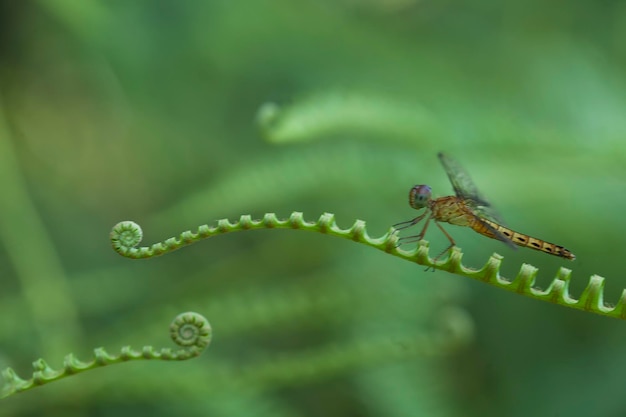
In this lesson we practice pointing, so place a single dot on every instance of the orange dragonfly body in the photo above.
(468, 208)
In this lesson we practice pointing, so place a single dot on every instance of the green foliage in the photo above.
(177, 113)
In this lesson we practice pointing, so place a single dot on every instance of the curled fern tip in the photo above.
(125, 236)
(191, 329)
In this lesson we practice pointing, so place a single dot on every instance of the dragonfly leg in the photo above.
(423, 232)
(408, 223)
(420, 236)
(452, 242)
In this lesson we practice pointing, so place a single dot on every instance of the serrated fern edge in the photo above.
(190, 330)
(126, 235)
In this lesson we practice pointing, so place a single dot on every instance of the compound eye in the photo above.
(419, 196)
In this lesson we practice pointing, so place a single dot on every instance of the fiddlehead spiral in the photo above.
(126, 235)
(191, 331)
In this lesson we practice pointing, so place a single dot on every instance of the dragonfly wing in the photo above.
(488, 213)
(465, 188)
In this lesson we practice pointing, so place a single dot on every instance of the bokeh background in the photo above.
(175, 114)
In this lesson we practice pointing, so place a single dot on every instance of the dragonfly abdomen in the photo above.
(521, 239)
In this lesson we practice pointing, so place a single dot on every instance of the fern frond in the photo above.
(126, 235)
(323, 114)
(189, 330)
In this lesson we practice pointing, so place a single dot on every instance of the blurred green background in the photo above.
(175, 114)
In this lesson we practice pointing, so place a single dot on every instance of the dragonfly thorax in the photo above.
(420, 196)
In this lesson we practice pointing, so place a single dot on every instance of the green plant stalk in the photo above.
(35, 260)
(126, 235)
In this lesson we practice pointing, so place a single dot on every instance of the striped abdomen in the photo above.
(521, 239)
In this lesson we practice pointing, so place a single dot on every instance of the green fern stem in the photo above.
(189, 330)
(126, 235)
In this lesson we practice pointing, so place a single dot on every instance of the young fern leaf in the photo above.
(126, 235)
(189, 330)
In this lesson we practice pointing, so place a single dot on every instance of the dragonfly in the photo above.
(467, 208)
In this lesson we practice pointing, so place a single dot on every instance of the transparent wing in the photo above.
(465, 188)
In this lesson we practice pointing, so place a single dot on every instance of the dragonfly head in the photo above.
(419, 196)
